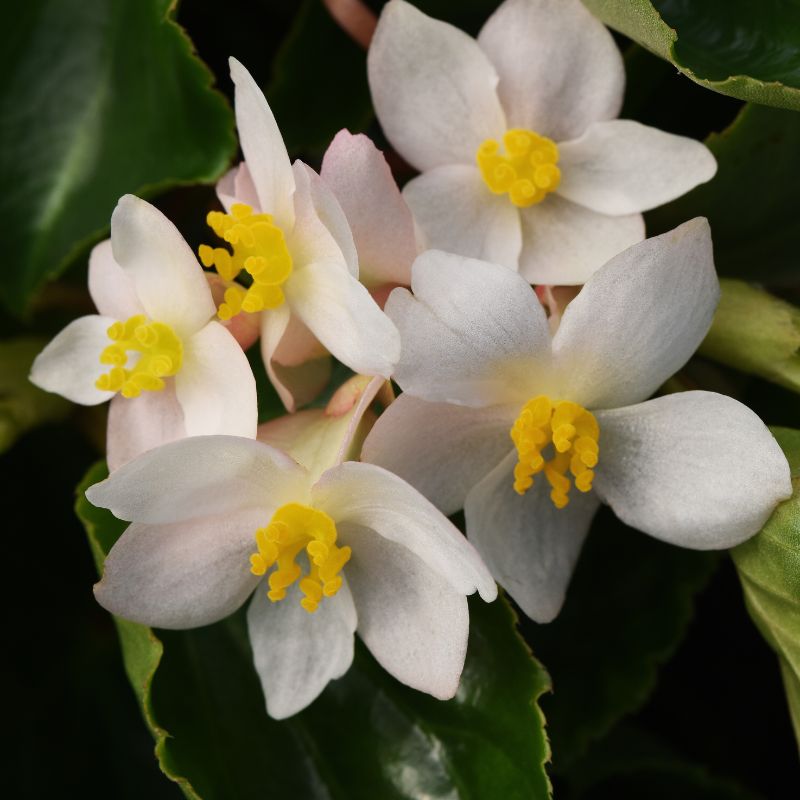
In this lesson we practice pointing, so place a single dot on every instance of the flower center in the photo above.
(257, 246)
(527, 172)
(295, 527)
(573, 432)
(160, 355)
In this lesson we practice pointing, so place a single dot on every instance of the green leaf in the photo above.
(757, 333)
(769, 569)
(736, 47)
(100, 99)
(23, 406)
(752, 201)
(627, 610)
(366, 737)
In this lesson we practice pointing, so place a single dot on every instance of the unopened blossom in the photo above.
(523, 162)
(530, 431)
(381, 222)
(155, 348)
(354, 549)
(285, 228)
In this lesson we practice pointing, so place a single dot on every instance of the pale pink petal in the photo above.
(112, 290)
(236, 186)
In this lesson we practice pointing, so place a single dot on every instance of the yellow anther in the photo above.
(527, 172)
(573, 433)
(258, 247)
(293, 529)
(158, 354)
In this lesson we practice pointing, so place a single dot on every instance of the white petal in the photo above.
(111, 288)
(70, 364)
(442, 450)
(411, 619)
(236, 186)
(624, 167)
(264, 151)
(181, 575)
(142, 423)
(529, 545)
(564, 243)
(201, 476)
(456, 212)
(169, 281)
(321, 231)
(696, 469)
(473, 333)
(297, 653)
(381, 222)
(559, 67)
(215, 385)
(639, 319)
(343, 316)
(367, 495)
(433, 89)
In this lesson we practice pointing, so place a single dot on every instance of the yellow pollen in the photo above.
(573, 433)
(527, 171)
(160, 356)
(258, 247)
(293, 528)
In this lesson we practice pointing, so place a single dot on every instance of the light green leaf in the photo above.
(100, 98)
(769, 569)
(366, 737)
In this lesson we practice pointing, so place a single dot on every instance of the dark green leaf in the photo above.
(735, 47)
(99, 99)
(366, 737)
(769, 568)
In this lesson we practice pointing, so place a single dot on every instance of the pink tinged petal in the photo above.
(245, 328)
(411, 619)
(455, 212)
(215, 386)
(382, 226)
(201, 476)
(264, 151)
(696, 469)
(184, 574)
(142, 423)
(559, 67)
(112, 290)
(657, 300)
(70, 364)
(624, 167)
(236, 186)
(530, 546)
(296, 653)
(369, 496)
(564, 243)
(341, 314)
(169, 281)
(321, 231)
(433, 89)
(298, 344)
(442, 450)
(473, 333)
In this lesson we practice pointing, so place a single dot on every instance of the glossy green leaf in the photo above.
(366, 737)
(99, 99)
(736, 47)
(769, 569)
(752, 202)
(627, 609)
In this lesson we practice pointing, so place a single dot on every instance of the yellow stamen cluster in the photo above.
(527, 171)
(573, 432)
(257, 246)
(293, 528)
(160, 355)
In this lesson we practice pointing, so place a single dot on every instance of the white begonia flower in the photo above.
(218, 518)
(155, 348)
(523, 162)
(286, 229)
(501, 417)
